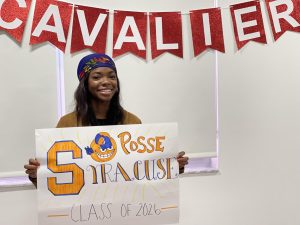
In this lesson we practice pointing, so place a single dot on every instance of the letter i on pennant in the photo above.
(247, 23)
(207, 30)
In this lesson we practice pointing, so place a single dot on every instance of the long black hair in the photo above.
(84, 111)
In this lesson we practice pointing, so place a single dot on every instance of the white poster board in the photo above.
(110, 175)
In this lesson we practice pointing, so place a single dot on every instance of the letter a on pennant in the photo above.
(284, 16)
(51, 23)
(166, 33)
(13, 16)
(247, 23)
(130, 33)
(89, 29)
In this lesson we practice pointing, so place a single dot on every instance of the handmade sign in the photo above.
(108, 175)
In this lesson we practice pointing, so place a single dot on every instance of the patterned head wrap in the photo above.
(93, 61)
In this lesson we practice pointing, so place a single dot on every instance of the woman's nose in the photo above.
(104, 80)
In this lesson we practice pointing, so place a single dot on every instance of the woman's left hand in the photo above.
(182, 160)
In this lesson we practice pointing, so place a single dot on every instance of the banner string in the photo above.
(113, 11)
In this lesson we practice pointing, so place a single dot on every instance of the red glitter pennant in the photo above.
(248, 23)
(14, 21)
(51, 23)
(207, 30)
(89, 29)
(166, 33)
(130, 33)
(284, 16)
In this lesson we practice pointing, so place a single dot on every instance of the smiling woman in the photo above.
(97, 100)
(98, 94)
(103, 84)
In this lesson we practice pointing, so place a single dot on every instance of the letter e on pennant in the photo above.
(247, 23)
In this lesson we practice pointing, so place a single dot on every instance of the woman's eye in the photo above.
(97, 77)
(112, 76)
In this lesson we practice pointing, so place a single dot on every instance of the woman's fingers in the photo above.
(31, 173)
(180, 154)
(31, 168)
(34, 162)
(183, 160)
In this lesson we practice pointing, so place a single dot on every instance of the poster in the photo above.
(125, 174)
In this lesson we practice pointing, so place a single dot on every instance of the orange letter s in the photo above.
(75, 187)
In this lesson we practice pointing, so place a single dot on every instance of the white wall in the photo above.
(259, 178)
(27, 77)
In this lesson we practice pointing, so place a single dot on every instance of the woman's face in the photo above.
(102, 83)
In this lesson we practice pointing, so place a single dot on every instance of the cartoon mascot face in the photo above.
(103, 148)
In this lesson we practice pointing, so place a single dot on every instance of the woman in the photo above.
(97, 102)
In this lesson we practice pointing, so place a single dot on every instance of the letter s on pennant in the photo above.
(75, 187)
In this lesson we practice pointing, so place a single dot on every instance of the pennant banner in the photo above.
(51, 23)
(13, 17)
(130, 33)
(207, 30)
(247, 23)
(284, 16)
(108, 175)
(89, 29)
(166, 33)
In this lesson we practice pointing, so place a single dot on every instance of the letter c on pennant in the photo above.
(17, 22)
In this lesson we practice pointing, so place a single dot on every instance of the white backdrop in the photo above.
(28, 100)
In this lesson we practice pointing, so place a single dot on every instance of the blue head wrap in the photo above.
(93, 61)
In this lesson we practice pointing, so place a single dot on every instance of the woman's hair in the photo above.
(84, 110)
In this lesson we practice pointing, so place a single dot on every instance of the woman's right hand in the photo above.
(31, 170)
